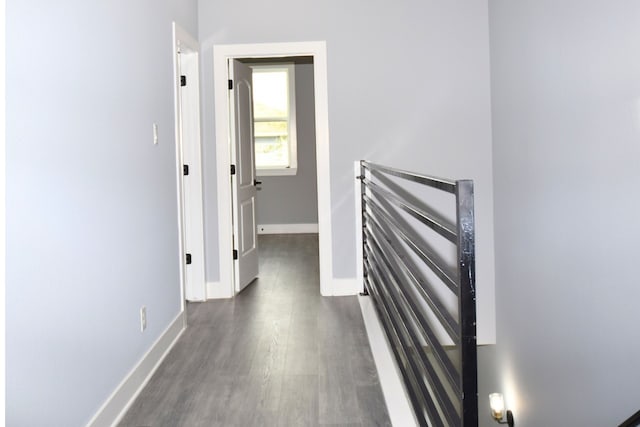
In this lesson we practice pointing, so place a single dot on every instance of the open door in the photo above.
(189, 167)
(243, 182)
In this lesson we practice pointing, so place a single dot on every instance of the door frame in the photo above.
(186, 51)
(221, 55)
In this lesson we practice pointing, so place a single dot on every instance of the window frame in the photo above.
(292, 142)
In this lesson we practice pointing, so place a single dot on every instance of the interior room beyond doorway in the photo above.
(288, 202)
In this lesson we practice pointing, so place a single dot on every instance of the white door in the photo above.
(243, 182)
(189, 164)
(192, 177)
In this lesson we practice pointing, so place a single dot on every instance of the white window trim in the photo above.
(293, 134)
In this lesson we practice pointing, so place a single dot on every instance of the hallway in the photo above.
(277, 354)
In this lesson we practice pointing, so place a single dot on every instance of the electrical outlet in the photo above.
(143, 318)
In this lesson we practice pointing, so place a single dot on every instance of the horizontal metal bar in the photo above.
(418, 386)
(421, 402)
(440, 358)
(632, 421)
(416, 243)
(445, 229)
(431, 181)
(394, 294)
(418, 401)
(423, 286)
(382, 256)
(395, 187)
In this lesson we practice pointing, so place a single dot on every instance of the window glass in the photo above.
(274, 127)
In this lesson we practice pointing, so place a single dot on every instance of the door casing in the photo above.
(221, 55)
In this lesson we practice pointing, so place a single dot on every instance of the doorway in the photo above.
(285, 160)
(223, 54)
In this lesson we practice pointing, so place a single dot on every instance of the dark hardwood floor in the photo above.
(278, 354)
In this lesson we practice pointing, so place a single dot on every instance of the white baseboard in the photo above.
(343, 287)
(123, 396)
(215, 290)
(395, 395)
(287, 228)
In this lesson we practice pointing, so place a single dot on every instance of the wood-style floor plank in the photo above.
(277, 354)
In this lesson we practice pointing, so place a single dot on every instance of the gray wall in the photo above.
(408, 86)
(91, 202)
(566, 122)
(294, 199)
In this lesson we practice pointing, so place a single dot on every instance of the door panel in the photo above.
(191, 185)
(244, 190)
(247, 214)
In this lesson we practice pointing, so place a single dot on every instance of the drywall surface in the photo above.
(488, 382)
(92, 226)
(294, 199)
(408, 86)
(566, 124)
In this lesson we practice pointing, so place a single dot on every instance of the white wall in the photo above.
(566, 123)
(91, 202)
(408, 86)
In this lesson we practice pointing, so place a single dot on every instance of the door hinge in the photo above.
(233, 169)
(235, 254)
(230, 84)
(185, 169)
(183, 80)
(188, 256)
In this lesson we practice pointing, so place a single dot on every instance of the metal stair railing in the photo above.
(412, 283)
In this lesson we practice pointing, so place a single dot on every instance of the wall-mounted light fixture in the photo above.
(496, 401)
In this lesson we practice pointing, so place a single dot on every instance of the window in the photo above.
(274, 116)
